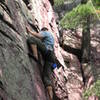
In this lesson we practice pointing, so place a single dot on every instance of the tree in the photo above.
(81, 16)
(97, 2)
(58, 3)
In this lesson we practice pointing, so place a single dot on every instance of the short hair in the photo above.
(44, 29)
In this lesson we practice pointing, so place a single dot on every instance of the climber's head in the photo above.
(44, 29)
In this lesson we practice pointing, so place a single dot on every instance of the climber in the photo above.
(44, 42)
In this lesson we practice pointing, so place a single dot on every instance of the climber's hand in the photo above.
(27, 29)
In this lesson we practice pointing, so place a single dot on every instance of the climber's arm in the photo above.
(38, 35)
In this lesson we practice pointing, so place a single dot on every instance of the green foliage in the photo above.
(95, 90)
(58, 3)
(77, 16)
(96, 3)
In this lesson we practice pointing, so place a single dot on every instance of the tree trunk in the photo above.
(86, 41)
(85, 50)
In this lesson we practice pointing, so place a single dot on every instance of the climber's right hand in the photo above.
(27, 29)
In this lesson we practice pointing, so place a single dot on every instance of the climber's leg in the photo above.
(35, 43)
(34, 50)
(50, 92)
(48, 68)
(47, 74)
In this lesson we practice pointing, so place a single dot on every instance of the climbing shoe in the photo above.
(50, 92)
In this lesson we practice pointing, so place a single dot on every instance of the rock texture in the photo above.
(20, 77)
(67, 81)
(91, 70)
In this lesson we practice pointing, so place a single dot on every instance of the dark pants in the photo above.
(48, 58)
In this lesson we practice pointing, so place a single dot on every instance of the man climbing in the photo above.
(44, 42)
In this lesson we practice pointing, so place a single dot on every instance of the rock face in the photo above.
(20, 77)
(91, 69)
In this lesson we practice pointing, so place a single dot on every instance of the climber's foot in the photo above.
(31, 55)
(50, 92)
